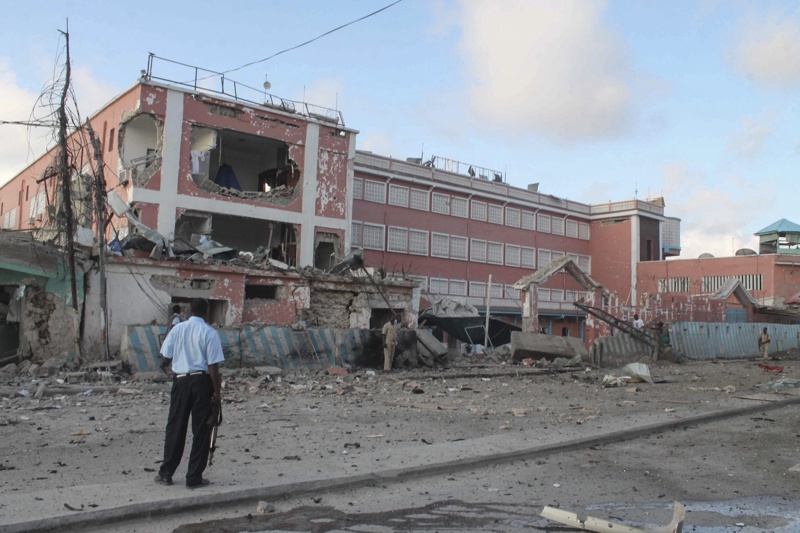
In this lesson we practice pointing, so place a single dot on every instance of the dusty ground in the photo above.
(300, 423)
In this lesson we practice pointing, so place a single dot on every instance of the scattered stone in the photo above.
(33, 369)
(337, 371)
(265, 507)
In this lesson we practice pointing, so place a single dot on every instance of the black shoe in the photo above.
(203, 483)
(163, 479)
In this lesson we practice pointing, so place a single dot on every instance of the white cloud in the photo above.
(768, 51)
(22, 145)
(714, 219)
(325, 92)
(749, 140)
(551, 68)
(379, 142)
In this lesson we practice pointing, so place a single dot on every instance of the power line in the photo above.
(314, 39)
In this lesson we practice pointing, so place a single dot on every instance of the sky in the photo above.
(695, 101)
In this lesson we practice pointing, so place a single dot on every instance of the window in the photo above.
(111, 139)
(572, 229)
(398, 240)
(496, 291)
(544, 295)
(440, 204)
(419, 199)
(358, 189)
(527, 257)
(544, 258)
(355, 239)
(477, 289)
(557, 226)
(673, 284)
(478, 210)
(458, 287)
(583, 231)
(10, 219)
(477, 251)
(494, 253)
(512, 217)
(398, 195)
(440, 245)
(543, 223)
(585, 262)
(751, 282)
(528, 220)
(458, 248)
(512, 255)
(495, 214)
(37, 206)
(418, 242)
(373, 236)
(512, 293)
(438, 286)
(458, 207)
(556, 295)
(421, 280)
(262, 292)
(375, 191)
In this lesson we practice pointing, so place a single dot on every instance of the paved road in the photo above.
(732, 475)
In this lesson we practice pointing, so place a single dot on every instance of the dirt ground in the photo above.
(296, 422)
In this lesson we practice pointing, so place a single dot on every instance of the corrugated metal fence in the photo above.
(706, 340)
(266, 346)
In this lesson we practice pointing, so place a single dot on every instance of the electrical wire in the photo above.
(384, 8)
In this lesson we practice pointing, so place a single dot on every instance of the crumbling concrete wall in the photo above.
(47, 326)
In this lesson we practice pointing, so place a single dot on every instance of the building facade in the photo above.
(451, 231)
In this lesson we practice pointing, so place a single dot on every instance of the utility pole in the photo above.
(488, 306)
(66, 190)
(100, 218)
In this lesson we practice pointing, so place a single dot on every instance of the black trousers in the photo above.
(190, 396)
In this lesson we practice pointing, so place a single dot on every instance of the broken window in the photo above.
(241, 165)
(139, 149)
(326, 250)
(260, 292)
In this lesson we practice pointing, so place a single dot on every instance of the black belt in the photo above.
(199, 372)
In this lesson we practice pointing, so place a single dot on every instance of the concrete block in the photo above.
(536, 346)
(427, 343)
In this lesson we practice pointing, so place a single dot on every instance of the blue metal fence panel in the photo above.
(249, 346)
(704, 340)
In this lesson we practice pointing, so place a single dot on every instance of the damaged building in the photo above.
(229, 194)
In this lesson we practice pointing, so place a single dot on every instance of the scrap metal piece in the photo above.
(607, 526)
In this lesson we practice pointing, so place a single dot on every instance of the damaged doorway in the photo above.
(9, 323)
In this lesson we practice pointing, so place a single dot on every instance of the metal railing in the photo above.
(203, 80)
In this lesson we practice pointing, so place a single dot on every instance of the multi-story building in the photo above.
(244, 168)
(451, 230)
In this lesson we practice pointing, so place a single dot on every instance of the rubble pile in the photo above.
(281, 195)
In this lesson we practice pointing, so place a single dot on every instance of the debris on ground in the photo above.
(638, 372)
(780, 384)
(607, 526)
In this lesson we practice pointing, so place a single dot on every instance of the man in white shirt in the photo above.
(638, 323)
(195, 351)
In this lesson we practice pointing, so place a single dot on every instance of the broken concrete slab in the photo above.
(430, 346)
(535, 346)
